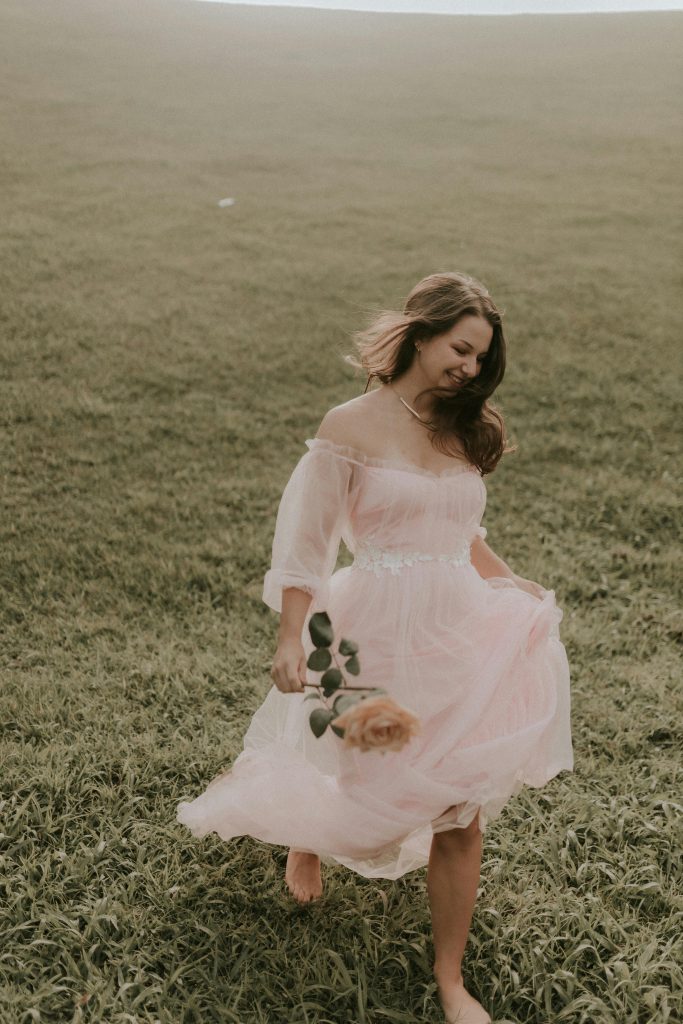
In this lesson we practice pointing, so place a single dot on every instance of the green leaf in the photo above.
(319, 659)
(319, 720)
(320, 628)
(312, 696)
(331, 681)
(343, 702)
(337, 730)
(347, 647)
(352, 665)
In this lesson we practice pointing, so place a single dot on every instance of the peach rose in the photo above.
(377, 723)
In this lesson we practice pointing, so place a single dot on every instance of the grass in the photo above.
(163, 360)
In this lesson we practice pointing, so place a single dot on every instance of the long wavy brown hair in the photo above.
(461, 420)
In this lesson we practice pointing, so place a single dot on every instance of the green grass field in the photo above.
(163, 360)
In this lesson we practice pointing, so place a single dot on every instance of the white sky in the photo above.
(476, 6)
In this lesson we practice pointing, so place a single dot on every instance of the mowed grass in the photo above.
(163, 360)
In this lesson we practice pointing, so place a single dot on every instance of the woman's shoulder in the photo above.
(353, 423)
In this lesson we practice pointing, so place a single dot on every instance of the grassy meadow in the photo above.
(163, 360)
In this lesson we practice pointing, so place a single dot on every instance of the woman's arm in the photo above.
(295, 605)
(288, 670)
(487, 563)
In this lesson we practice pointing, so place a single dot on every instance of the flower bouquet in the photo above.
(363, 716)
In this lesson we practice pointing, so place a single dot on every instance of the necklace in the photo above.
(409, 407)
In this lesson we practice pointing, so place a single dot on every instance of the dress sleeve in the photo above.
(310, 519)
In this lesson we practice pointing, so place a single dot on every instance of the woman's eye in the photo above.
(462, 352)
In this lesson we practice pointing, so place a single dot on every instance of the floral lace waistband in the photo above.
(369, 556)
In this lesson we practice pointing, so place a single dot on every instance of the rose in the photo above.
(377, 723)
(371, 722)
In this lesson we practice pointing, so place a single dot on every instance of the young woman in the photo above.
(442, 624)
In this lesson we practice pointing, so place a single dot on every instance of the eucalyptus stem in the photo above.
(316, 686)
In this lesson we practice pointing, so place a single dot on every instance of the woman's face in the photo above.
(456, 356)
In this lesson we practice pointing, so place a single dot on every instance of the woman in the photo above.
(442, 624)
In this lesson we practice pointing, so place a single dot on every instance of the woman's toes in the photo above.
(302, 876)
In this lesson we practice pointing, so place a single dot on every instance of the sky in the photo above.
(475, 6)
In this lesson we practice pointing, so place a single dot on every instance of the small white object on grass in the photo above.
(227, 202)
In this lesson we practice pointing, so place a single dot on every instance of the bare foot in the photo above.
(302, 876)
(458, 1005)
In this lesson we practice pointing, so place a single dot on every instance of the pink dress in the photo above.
(480, 662)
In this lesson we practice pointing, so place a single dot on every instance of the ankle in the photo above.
(448, 973)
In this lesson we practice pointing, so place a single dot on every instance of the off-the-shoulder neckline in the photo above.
(363, 459)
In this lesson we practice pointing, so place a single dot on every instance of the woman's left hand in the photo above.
(535, 589)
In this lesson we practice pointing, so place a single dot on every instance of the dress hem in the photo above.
(418, 840)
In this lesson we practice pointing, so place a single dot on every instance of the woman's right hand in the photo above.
(288, 671)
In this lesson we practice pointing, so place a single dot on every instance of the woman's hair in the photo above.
(386, 348)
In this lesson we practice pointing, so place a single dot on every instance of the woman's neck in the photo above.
(408, 388)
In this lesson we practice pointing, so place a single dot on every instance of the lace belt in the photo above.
(368, 556)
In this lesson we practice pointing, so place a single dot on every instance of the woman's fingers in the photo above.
(530, 586)
(286, 679)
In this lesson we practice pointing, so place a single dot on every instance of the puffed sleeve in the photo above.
(310, 519)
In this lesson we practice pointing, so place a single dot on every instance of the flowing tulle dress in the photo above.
(479, 661)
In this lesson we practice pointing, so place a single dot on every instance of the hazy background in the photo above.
(477, 7)
(163, 359)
